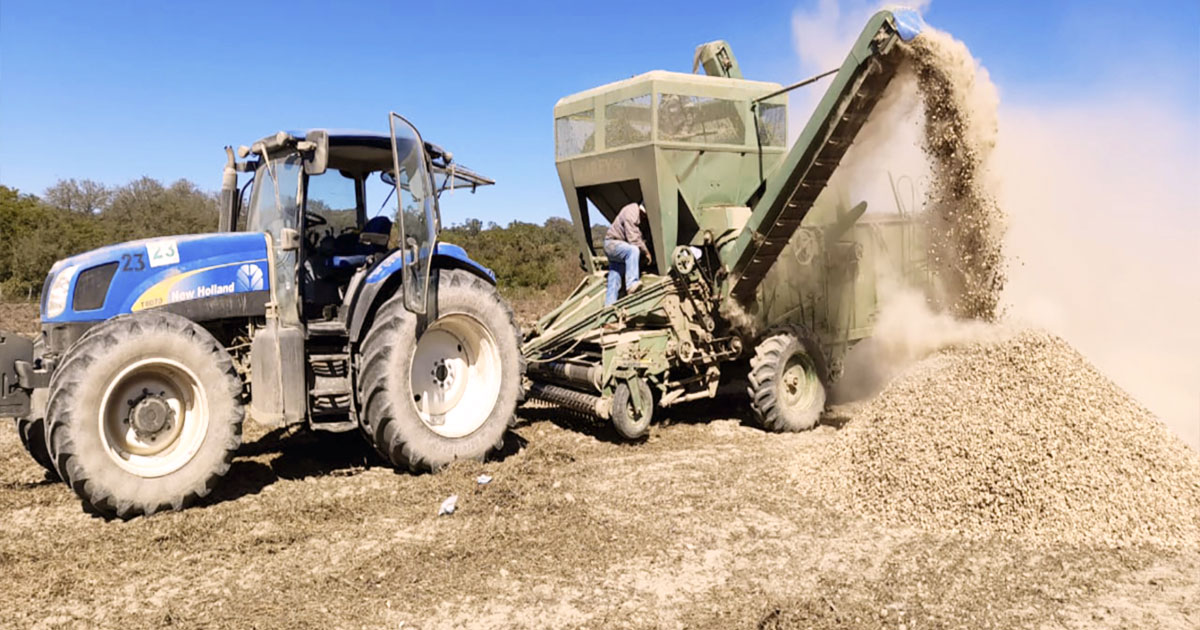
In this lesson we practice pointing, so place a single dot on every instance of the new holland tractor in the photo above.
(757, 279)
(325, 300)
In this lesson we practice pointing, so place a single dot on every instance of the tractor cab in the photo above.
(349, 218)
(329, 201)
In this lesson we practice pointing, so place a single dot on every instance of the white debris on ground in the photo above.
(449, 505)
(1019, 437)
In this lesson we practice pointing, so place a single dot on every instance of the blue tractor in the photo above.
(325, 299)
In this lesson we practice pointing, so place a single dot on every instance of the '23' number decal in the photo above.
(133, 262)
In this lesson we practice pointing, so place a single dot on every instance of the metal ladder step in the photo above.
(329, 391)
(332, 328)
(331, 421)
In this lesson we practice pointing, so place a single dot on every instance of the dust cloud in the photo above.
(1105, 226)
(737, 316)
(939, 113)
(907, 330)
(1102, 234)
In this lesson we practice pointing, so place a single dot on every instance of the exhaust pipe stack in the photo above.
(229, 192)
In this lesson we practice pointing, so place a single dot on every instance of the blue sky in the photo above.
(114, 91)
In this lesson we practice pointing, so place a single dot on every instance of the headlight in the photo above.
(56, 303)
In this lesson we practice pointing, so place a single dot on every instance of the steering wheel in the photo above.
(315, 220)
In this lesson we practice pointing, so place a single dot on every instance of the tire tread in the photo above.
(764, 371)
(64, 385)
(379, 408)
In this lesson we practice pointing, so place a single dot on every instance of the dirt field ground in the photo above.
(700, 527)
(19, 317)
(711, 523)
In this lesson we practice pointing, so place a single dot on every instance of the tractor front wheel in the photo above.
(33, 430)
(450, 391)
(144, 415)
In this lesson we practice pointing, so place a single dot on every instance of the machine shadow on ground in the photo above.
(570, 421)
(290, 455)
(696, 413)
(46, 480)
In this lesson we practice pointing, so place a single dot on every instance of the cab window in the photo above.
(331, 204)
(274, 199)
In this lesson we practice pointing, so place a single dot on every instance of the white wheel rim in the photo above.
(147, 448)
(455, 375)
(798, 383)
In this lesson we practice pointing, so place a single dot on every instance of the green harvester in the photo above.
(758, 282)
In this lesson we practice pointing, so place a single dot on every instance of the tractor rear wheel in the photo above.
(450, 391)
(787, 381)
(145, 415)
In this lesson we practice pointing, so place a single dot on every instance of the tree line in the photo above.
(75, 216)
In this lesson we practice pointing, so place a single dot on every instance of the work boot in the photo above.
(633, 288)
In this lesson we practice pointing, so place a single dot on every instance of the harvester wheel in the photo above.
(144, 415)
(33, 430)
(787, 381)
(450, 391)
(631, 420)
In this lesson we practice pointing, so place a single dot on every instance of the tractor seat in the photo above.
(348, 262)
(352, 250)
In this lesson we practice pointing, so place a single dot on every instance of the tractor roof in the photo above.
(357, 150)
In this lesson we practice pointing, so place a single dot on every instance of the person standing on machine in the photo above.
(625, 247)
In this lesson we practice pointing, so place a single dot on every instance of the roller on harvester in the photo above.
(754, 282)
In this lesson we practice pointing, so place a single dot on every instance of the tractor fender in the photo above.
(384, 279)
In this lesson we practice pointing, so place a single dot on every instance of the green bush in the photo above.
(77, 216)
(523, 255)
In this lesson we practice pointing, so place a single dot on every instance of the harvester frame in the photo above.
(725, 201)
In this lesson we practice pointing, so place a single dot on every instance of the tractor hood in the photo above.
(201, 276)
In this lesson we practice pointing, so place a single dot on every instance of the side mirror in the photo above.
(316, 163)
(289, 240)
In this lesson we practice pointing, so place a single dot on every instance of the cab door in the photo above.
(274, 210)
(416, 210)
(277, 360)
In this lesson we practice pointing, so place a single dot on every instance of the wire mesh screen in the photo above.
(700, 119)
(627, 121)
(772, 124)
(574, 134)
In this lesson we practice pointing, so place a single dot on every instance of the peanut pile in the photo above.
(1023, 438)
